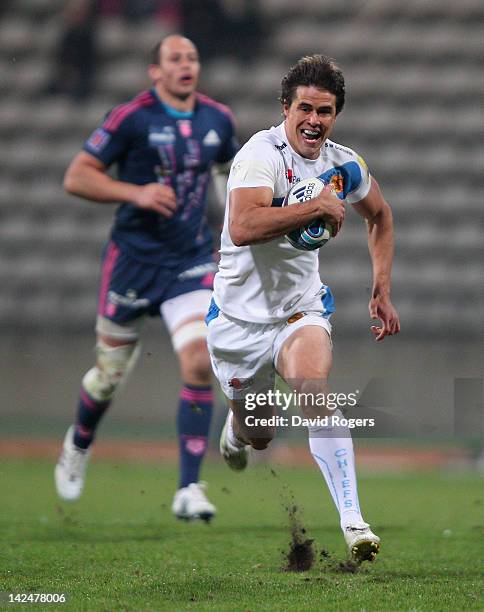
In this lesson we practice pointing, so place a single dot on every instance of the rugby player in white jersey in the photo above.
(270, 311)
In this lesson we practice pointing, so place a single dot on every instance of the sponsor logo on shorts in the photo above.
(198, 271)
(295, 317)
(240, 383)
(110, 309)
(130, 300)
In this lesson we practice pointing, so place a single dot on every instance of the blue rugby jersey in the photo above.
(152, 143)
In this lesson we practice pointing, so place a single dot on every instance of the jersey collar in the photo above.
(170, 111)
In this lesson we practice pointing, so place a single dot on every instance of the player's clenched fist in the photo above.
(332, 208)
(160, 198)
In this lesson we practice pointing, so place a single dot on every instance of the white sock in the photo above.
(332, 449)
(231, 437)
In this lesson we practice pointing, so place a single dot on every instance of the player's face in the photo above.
(179, 67)
(309, 120)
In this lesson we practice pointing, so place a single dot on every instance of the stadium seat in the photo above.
(413, 74)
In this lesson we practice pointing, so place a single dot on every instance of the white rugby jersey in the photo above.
(269, 282)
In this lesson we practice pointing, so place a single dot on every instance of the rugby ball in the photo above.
(316, 234)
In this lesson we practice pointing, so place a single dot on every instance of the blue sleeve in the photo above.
(230, 144)
(112, 139)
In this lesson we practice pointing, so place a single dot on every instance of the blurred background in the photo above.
(414, 111)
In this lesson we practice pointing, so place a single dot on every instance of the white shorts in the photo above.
(185, 306)
(244, 354)
(174, 312)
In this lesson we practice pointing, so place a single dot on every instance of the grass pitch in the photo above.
(119, 548)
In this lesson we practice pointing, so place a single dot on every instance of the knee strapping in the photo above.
(114, 363)
(193, 330)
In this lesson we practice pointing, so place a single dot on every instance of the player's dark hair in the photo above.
(317, 71)
(154, 56)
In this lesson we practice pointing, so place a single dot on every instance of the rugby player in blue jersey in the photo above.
(166, 143)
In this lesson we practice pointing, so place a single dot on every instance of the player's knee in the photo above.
(199, 366)
(113, 365)
(98, 385)
(195, 362)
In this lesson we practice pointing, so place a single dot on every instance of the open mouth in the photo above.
(310, 135)
(186, 79)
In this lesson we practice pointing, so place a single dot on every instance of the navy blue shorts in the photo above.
(131, 289)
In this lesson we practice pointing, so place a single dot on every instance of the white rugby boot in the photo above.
(235, 456)
(70, 469)
(191, 503)
(362, 543)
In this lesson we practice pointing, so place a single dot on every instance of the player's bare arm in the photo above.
(86, 177)
(379, 220)
(253, 219)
